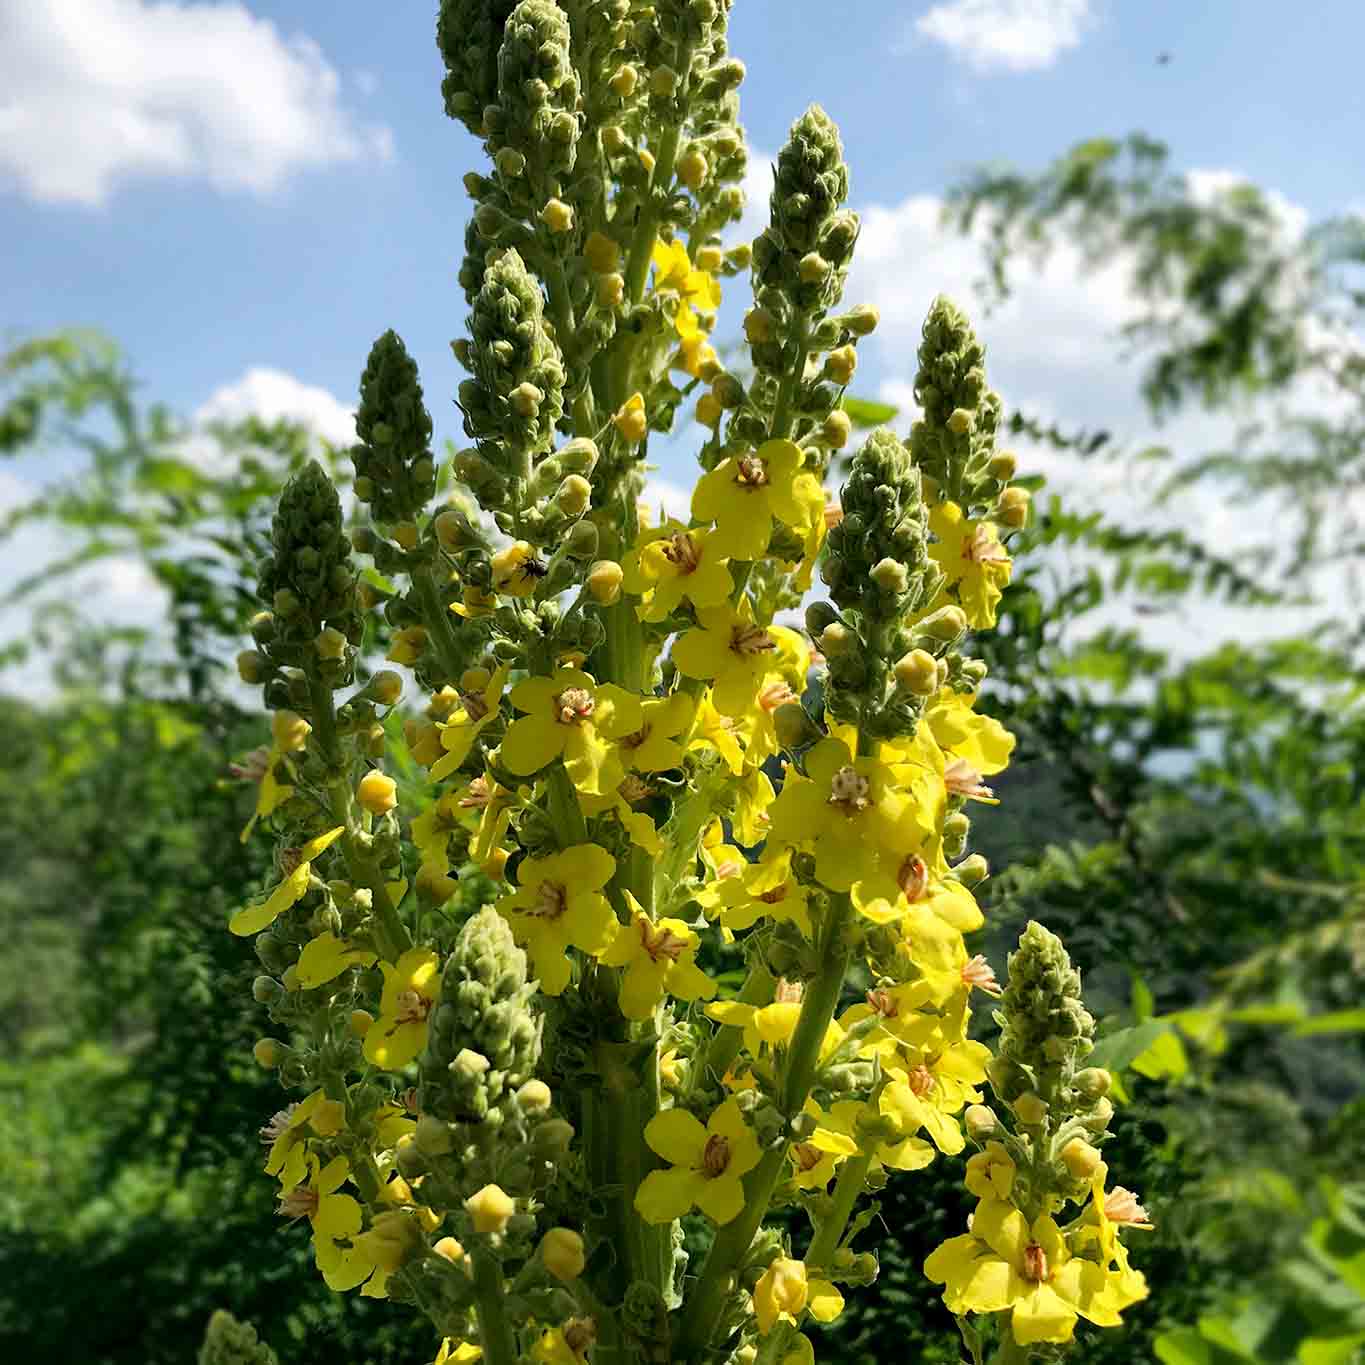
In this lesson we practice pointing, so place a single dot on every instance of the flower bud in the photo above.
(1080, 1158)
(614, 139)
(561, 1250)
(534, 1096)
(759, 326)
(1002, 465)
(611, 291)
(917, 673)
(434, 1136)
(862, 321)
(330, 644)
(405, 533)
(290, 731)
(793, 727)
(574, 496)
(946, 624)
(262, 627)
(663, 80)
(490, 1209)
(1099, 1120)
(252, 666)
(601, 253)
(554, 1136)
(624, 80)
(980, 1122)
(813, 268)
(890, 575)
(510, 162)
(557, 216)
(269, 1052)
(359, 1022)
(377, 792)
(604, 581)
(837, 639)
(1093, 1083)
(960, 421)
(526, 399)
(451, 1250)
(972, 871)
(630, 420)
(582, 540)
(1012, 507)
(708, 258)
(709, 410)
(1030, 1109)
(836, 429)
(840, 364)
(728, 391)
(693, 168)
(469, 1065)
(580, 456)
(265, 990)
(385, 687)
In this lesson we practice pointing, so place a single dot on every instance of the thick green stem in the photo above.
(783, 417)
(852, 1178)
(647, 227)
(440, 628)
(705, 1304)
(495, 1331)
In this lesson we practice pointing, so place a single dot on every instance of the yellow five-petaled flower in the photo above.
(707, 1169)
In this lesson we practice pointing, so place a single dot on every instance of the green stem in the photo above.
(852, 1178)
(495, 1331)
(440, 629)
(391, 934)
(724, 1045)
(1009, 1351)
(704, 1307)
(647, 227)
(783, 417)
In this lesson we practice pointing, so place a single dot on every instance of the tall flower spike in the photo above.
(469, 33)
(394, 427)
(955, 438)
(308, 579)
(516, 395)
(229, 1342)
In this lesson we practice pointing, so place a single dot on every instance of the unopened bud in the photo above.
(840, 364)
(946, 624)
(510, 162)
(574, 495)
(630, 420)
(891, 576)
(359, 1022)
(972, 871)
(582, 539)
(1012, 507)
(269, 1052)
(693, 168)
(265, 990)
(836, 429)
(469, 1064)
(980, 1122)
(252, 666)
(1092, 1083)
(862, 321)
(1080, 1158)
(385, 687)
(534, 1096)
(601, 253)
(960, 421)
(624, 80)
(1002, 465)
(813, 268)
(490, 1209)
(709, 410)
(377, 792)
(663, 80)
(330, 644)
(837, 639)
(917, 673)
(604, 581)
(793, 727)
(526, 399)
(579, 456)
(728, 391)
(405, 533)
(289, 730)
(1099, 1120)
(708, 258)
(759, 326)
(434, 1136)
(557, 216)
(561, 1250)
(611, 291)
(1030, 1109)
(451, 1250)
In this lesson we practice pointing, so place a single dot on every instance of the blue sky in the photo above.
(245, 195)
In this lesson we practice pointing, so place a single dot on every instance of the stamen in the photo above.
(574, 705)
(715, 1155)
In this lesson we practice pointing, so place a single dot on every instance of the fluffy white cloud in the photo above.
(1011, 35)
(273, 395)
(94, 93)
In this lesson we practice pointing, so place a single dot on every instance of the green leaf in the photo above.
(1119, 1050)
(1166, 1057)
(1331, 1350)
(1184, 1346)
(1144, 1005)
(865, 412)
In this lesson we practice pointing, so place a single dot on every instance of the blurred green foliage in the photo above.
(1193, 827)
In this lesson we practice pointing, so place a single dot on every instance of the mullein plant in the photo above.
(507, 1106)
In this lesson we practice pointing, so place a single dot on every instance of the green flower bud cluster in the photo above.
(1059, 1107)
(395, 473)
(229, 1342)
(515, 396)
(469, 34)
(880, 575)
(954, 441)
(485, 1119)
(309, 582)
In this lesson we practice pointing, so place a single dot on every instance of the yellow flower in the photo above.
(659, 957)
(670, 564)
(940, 958)
(770, 1026)
(288, 1133)
(406, 645)
(251, 919)
(335, 1219)
(631, 420)
(377, 792)
(567, 1345)
(290, 733)
(848, 809)
(516, 570)
(973, 562)
(753, 795)
(1104, 1215)
(636, 823)
(730, 650)
(695, 354)
(654, 747)
(558, 905)
(744, 493)
(707, 1165)
(933, 1084)
(572, 716)
(1004, 1263)
(783, 1292)
(816, 1158)
(478, 709)
(990, 1173)
(454, 1352)
(978, 741)
(673, 270)
(325, 957)
(719, 732)
(756, 890)
(847, 1117)
(490, 1209)
(412, 986)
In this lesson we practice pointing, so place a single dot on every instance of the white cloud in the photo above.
(1011, 35)
(273, 395)
(94, 93)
